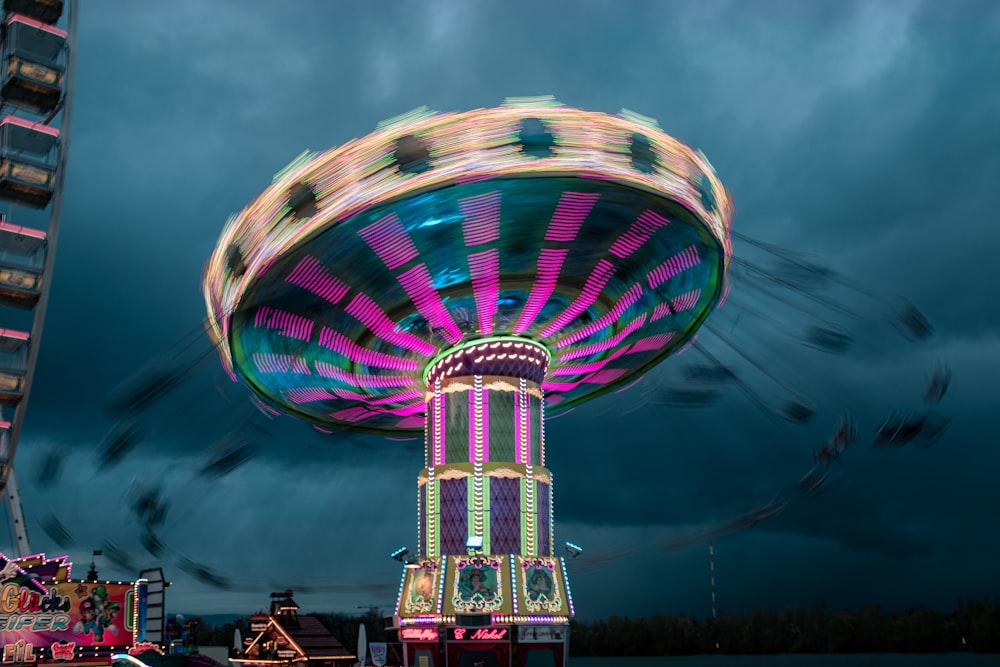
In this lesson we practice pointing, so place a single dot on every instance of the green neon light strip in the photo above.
(481, 341)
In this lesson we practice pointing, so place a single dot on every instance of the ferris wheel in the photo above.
(36, 100)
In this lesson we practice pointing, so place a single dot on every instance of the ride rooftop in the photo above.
(529, 243)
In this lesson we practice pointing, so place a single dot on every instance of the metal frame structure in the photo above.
(62, 111)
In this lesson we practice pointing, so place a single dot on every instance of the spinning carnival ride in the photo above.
(467, 275)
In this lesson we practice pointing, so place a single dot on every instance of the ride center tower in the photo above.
(464, 275)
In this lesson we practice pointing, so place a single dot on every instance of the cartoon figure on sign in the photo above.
(89, 622)
(540, 585)
(111, 611)
(420, 598)
(476, 584)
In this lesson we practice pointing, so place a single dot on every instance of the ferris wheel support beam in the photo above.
(7, 479)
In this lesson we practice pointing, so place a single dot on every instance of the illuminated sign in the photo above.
(419, 634)
(477, 634)
(66, 621)
(541, 633)
(286, 653)
(258, 627)
(142, 647)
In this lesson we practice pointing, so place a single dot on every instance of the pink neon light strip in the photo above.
(299, 395)
(416, 421)
(288, 324)
(637, 234)
(587, 350)
(440, 448)
(686, 301)
(572, 209)
(656, 342)
(607, 319)
(343, 345)
(390, 241)
(420, 286)
(582, 369)
(18, 230)
(380, 381)
(481, 215)
(527, 421)
(27, 124)
(355, 414)
(472, 425)
(591, 290)
(486, 424)
(550, 262)
(484, 270)
(682, 261)
(605, 376)
(366, 311)
(660, 310)
(279, 363)
(310, 275)
(518, 454)
(38, 25)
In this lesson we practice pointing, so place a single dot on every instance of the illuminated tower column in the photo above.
(485, 472)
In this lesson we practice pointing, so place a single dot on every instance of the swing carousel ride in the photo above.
(464, 277)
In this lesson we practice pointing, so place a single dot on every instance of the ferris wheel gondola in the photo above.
(36, 102)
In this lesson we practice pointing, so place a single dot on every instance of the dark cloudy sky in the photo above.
(863, 134)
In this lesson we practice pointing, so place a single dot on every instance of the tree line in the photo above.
(973, 626)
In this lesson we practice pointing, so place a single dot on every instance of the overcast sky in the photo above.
(862, 134)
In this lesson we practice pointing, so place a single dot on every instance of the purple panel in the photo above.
(454, 515)
(544, 517)
(505, 515)
(571, 211)
(550, 262)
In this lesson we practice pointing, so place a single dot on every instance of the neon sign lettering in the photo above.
(420, 634)
(18, 652)
(479, 634)
(64, 650)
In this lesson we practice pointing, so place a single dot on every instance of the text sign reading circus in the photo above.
(72, 621)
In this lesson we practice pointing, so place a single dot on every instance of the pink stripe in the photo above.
(637, 234)
(472, 424)
(310, 275)
(591, 290)
(299, 395)
(660, 310)
(685, 301)
(279, 363)
(527, 410)
(415, 421)
(550, 262)
(608, 319)
(486, 423)
(366, 311)
(481, 215)
(606, 376)
(390, 241)
(484, 269)
(682, 261)
(441, 413)
(356, 354)
(517, 427)
(361, 381)
(583, 369)
(603, 345)
(420, 286)
(651, 343)
(572, 209)
(288, 324)
(354, 414)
